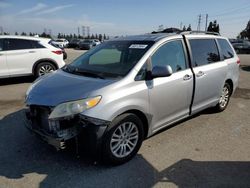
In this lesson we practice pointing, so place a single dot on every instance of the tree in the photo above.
(104, 37)
(23, 34)
(189, 28)
(213, 27)
(246, 32)
(16, 33)
(100, 37)
(184, 28)
(92, 36)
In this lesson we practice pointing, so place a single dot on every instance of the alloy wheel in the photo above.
(124, 139)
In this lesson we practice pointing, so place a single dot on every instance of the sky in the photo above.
(120, 17)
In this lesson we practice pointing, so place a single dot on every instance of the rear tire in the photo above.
(123, 139)
(44, 68)
(224, 98)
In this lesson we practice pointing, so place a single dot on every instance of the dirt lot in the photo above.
(209, 150)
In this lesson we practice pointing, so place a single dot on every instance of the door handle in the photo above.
(32, 51)
(187, 77)
(1, 54)
(200, 73)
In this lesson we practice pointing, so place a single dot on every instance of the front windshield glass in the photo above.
(110, 59)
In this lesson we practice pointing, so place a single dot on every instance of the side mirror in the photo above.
(161, 71)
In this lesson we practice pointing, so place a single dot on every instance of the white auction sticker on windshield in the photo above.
(138, 46)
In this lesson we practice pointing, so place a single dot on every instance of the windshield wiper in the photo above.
(87, 73)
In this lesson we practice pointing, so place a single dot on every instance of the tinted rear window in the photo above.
(204, 51)
(19, 44)
(226, 50)
(36, 44)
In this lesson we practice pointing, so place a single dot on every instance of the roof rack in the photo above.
(199, 32)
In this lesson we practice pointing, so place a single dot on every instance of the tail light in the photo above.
(58, 52)
(238, 61)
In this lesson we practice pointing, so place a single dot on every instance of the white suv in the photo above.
(63, 43)
(21, 56)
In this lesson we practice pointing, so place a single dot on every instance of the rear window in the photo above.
(36, 44)
(19, 44)
(22, 44)
(226, 49)
(204, 51)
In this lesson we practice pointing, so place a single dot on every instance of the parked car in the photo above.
(62, 43)
(87, 44)
(74, 43)
(96, 42)
(242, 48)
(127, 89)
(20, 55)
(62, 48)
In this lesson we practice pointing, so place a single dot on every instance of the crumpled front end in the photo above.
(58, 132)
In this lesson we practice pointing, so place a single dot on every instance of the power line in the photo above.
(232, 11)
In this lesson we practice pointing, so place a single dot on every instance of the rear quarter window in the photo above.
(36, 44)
(19, 44)
(226, 50)
(204, 51)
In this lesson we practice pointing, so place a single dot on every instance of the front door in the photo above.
(170, 97)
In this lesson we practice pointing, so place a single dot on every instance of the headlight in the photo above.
(74, 107)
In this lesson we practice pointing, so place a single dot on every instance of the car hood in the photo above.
(59, 87)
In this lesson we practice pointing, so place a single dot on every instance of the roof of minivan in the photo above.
(159, 36)
(23, 37)
(145, 37)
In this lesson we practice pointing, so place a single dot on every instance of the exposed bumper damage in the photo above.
(58, 132)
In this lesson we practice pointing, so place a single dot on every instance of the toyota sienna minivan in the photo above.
(125, 90)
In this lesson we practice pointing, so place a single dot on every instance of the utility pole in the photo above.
(78, 30)
(181, 26)
(50, 32)
(1, 30)
(83, 31)
(88, 30)
(199, 23)
(206, 22)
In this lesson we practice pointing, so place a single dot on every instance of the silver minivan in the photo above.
(125, 90)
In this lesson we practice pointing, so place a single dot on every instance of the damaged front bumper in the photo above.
(58, 132)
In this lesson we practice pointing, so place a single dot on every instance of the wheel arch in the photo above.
(142, 117)
(230, 82)
(43, 61)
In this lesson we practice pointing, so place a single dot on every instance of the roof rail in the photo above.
(199, 32)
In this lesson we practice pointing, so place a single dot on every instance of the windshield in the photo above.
(110, 59)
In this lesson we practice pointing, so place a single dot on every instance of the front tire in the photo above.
(224, 98)
(123, 139)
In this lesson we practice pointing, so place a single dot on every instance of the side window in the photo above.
(19, 44)
(226, 49)
(105, 56)
(204, 51)
(142, 73)
(172, 54)
(36, 44)
(1, 44)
